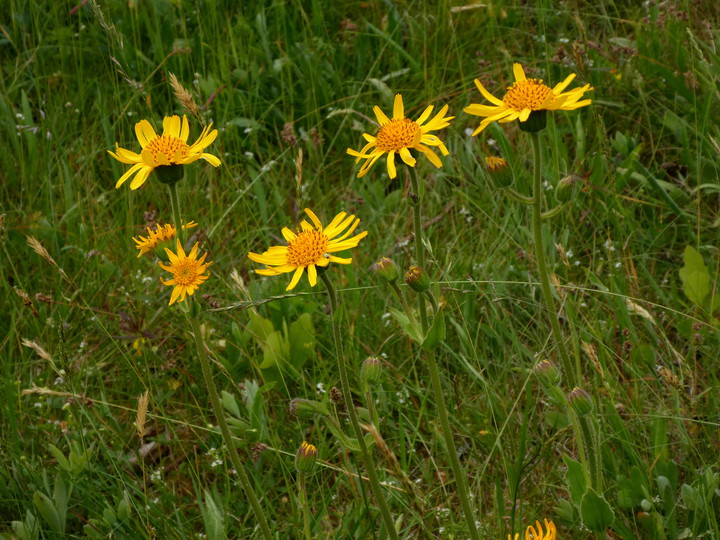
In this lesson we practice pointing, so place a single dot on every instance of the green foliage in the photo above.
(278, 77)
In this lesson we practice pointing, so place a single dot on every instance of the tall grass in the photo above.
(280, 77)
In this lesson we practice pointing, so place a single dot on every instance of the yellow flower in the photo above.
(536, 532)
(161, 234)
(524, 97)
(188, 271)
(309, 248)
(170, 148)
(400, 135)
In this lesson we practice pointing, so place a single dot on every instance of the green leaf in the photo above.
(60, 457)
(411, 328)
(595, 511)
(48, 512)
(695, 277)
(576, 481)
(436, 334)
(301, 340)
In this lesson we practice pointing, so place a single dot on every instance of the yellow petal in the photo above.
(398, 108)
(296, 277)
(312, 275)
(487, 95)
(144, 132)
(519, 72)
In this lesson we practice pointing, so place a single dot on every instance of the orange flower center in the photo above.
(172, 148)
(528, 94)
(185, 271)
(308, 248)
(397, 134)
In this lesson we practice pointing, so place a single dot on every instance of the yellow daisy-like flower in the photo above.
(170, 148)
(188, 271)
(310, 247)
(160, 234)
(400, 135)
(537, 533)
(524, 97)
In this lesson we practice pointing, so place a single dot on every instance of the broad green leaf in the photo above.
(576, 481)
(48, 512)
(436, 334)
(695, 277)
(596, 513)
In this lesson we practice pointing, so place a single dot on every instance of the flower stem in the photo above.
(460, 484)
(345, 383)
(175, 204)
(305, 510)
(419, 251)
(583, 433)
(227, 437)
(570, 371)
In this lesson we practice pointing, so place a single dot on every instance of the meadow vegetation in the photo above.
(106, 420)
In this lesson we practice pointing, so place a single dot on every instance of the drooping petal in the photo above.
(132, 170)
(312, 275)
(296, 277)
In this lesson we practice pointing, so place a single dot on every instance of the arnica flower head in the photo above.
(188, 271)
(400, 135)
(158, 235)
(170, 148)
(526, 96)
(309, 248)
(537, 533)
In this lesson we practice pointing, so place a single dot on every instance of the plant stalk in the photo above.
(225, 430)
(460, 484)
(347, 396)
(177, 218)
(568, 367)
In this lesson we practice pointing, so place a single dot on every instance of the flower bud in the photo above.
(499, 171)
(305, 458)
(387, 269)
(580, 401)
(565, 189)
(371, 371)
(417, 279)
(307, 408)
(547, 373)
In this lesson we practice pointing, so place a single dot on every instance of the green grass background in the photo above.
(75, 79)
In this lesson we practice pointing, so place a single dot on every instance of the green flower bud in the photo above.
(169, 174)
(305, 458)
(536, 122)
(307, 408)
(565, 189)
(417, 279)
(499, 171)
(371, 371)
(547, 373)
(580, 401)
(387, 269)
